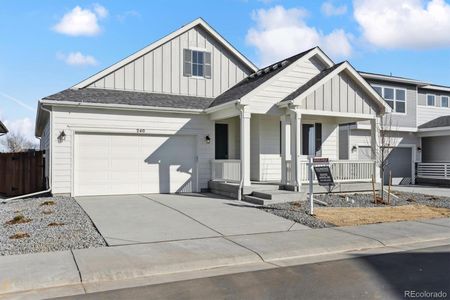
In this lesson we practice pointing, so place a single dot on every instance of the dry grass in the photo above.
(19, 219)
(49, 202)
(348, 216)
(55, 224)
(19, 235)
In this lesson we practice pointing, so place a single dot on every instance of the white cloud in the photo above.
(329, 9)
(82, 22)
(24, 126)
(77, 59)
(406, 24)
(281, 32)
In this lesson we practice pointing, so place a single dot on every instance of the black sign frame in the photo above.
(324, 176)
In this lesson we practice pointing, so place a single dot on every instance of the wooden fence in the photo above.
(22, 173)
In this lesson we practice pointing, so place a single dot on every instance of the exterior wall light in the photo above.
(208, 139)
(419, 148)
(354, 149)
(61, 136)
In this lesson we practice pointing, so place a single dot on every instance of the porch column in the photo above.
(284, 179)
(296, 121)
(245, 146)
(374, 143)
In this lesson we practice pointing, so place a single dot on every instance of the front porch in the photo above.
(266, 143)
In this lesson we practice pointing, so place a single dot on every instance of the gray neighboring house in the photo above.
(420, 127)
(3, 129)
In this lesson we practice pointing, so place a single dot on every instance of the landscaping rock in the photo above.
(54, 223)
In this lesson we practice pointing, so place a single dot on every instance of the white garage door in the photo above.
(108, 164)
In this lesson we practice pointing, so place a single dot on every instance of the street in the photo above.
(415, 274)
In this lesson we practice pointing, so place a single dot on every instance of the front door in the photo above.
(221, 141)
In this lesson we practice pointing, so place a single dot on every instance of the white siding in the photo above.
(161, 70)
(254, 148)
(330, 140)
(339, 94)
(264, 98)
(425, 114)
(94, 120)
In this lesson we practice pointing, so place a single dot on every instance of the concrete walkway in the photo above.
(90, 269)
(133, 219)
(423, 189)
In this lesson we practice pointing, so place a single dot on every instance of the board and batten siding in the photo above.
(124, 122)
(339, 94)
(264, 99)
(161, 70)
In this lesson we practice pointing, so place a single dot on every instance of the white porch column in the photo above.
(374, 143)
(296, 121)
(284, 179)
(245, 146)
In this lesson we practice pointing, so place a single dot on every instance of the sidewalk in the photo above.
(87, 270)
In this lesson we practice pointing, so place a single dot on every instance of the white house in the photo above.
(190, 110)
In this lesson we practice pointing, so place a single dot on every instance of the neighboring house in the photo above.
(189, 111)
(3, 129)
(420, 129)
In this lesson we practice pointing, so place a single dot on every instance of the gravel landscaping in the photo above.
(45, 224)
(299, 211)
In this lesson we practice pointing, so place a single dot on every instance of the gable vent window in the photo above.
(196, 63)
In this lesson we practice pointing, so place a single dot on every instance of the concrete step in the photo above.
(279, 195)
(260, 198)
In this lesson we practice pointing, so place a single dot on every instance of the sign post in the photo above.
(311, 185)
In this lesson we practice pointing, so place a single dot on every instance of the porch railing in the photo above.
(226, 169)
(439, 170)
(344, 170)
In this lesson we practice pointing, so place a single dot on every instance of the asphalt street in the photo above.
(418, 274)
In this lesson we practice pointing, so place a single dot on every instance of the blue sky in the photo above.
(49, 45)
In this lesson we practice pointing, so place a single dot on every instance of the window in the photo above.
(196, 63)
(394, 97)
(431, 100)
(444, 101)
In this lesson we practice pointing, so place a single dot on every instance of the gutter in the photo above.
(49, 165)
(122, 107)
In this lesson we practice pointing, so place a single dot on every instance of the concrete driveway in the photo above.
(134, 219)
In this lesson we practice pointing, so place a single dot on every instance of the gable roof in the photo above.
(103, 96)
(330, 72)
(136, 55)
(311, 82)
(255, 79)
(3, 128)
(443, 121)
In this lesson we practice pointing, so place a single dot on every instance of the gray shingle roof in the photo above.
(254, 80)
(443, 121)
(311, 82)
(104, 96)
(3, 128)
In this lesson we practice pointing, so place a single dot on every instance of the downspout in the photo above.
(49, 165)
(241, 181)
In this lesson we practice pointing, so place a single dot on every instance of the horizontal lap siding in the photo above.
(125, 123)
(161, 70)
(295, 75)
(426, 114)
(339, 94)
(269, 148)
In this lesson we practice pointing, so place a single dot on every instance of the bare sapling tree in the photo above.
(386, 141)
(16, 142)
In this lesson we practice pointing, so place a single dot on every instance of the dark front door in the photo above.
(221, 141)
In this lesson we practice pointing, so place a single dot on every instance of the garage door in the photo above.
(399, 162)
(108, 164)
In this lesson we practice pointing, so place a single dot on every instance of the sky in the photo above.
(50, 45)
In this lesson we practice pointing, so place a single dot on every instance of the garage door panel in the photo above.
(126, 164)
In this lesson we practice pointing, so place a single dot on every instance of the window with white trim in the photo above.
(444, 101)
(431, 100)
(196, 63)
(394, 97)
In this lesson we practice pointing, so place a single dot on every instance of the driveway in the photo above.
(150, 218)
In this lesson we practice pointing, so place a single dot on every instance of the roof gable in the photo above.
(329, 73)
(196, 23)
